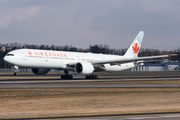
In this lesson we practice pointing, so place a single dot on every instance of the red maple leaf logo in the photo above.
(135, 48)
(30, 53)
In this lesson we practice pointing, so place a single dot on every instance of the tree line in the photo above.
(104, 49)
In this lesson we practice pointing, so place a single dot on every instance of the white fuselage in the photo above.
(49, 59)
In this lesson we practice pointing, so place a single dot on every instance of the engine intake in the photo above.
(39, 71)
(84, 68)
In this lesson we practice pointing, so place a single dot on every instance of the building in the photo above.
(158, 66)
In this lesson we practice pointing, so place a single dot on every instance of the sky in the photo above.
(81, 23)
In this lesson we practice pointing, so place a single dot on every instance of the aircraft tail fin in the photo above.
(134, 49)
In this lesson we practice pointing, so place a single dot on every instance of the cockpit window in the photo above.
(10, 54)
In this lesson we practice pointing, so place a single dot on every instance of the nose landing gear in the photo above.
(16, 70)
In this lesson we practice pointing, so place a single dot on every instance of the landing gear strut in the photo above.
(16, 70)
(67, 75)
(91, 76)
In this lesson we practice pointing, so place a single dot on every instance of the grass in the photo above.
(28, 93)
(86, 101)
(62, 102)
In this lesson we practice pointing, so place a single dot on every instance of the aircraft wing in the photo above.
(127, 60)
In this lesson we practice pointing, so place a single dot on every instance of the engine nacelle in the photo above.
(84, 68)
(39, 71)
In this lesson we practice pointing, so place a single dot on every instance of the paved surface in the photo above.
(146, 117)
(58, 83)
(12, 86)
(121, 117)
(87, 80)
(29, 79)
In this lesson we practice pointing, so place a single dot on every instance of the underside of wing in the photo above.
(99, 64)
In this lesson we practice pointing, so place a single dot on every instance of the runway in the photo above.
(12, 83)
(19, 86)
(134, 117)
(164, 116)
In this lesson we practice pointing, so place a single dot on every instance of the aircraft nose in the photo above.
(8, 58)
(5, 58)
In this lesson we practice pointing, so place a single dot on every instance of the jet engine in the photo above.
(84, 68)
(39, 71)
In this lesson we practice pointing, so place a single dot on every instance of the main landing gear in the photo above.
(67, 75)
(91, 76)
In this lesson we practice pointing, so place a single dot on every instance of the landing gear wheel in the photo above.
(91, 76)
(70, 76)
(15, 74)
(95, 76)
(66, 76)
(62, 76)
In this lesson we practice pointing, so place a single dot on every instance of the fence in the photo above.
(24, 70)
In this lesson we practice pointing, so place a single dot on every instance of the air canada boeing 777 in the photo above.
(41, 61)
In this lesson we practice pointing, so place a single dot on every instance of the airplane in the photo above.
(41, 61)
